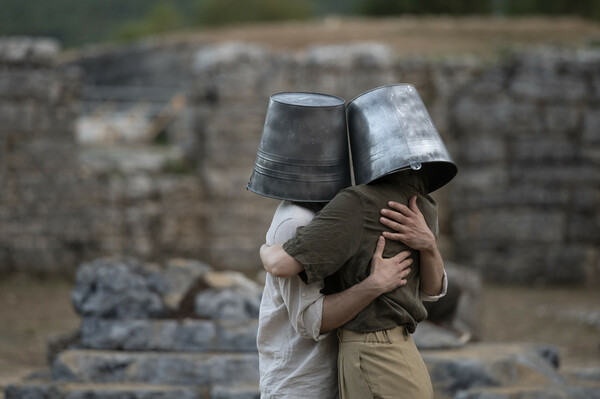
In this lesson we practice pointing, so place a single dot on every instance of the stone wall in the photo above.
(523, 208)
(61, 203)
(233, 82)
(526, 136)
(38, 173)
(524, 132)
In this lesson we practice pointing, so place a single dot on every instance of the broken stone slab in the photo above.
(552, 391)
(28, 51)
(177, 280)
(231, 296)
(490, 365)
(430, 336)
(116, 288)
(235, 392)
(200, 369)
(52, 390)
(187, 335)
(581, 374)
(127, 288)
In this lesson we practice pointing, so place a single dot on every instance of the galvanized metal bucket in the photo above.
(303, 152)
(390, 130)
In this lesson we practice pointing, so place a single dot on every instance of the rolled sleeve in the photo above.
(304, 304)
(433, 298)
(309, 323)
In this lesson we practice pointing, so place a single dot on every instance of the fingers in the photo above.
(393, 215)
(395, 236)
(391, 224)
(380, 247)
(412, 204)
(401, 256)
(403, 209)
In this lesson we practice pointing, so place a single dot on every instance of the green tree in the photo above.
(219, 12)
(162, 17)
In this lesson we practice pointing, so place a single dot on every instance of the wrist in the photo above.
(431, 246)
(372, 286)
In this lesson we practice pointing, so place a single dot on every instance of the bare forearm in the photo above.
(432, 271)
(277, 262)
(340, 308)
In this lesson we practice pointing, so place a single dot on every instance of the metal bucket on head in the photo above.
(303, 152)
(390, 130)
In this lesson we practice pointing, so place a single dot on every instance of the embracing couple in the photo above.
(349, 266)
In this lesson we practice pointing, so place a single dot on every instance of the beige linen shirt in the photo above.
(295, 361)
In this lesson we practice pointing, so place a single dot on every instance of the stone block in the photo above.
(469, 309)
(554, 391)
(508, 225)
(536, 263)
(183, 369)
(578, 271)
(591, 126)
(523, 194)
(231, 296)
(235, 392)
(177, 279)
(20, 51)
(41, 85)
(575, 174)
(116, 288)
(545, 76)
(487, 365)
(185, 335)
(584, 227)
(52, 390)
(430, 336)
(482, 149)
(539, 150)
(127, 288)
(503, 115)
(562, 120)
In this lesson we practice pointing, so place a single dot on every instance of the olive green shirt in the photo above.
(337, 245)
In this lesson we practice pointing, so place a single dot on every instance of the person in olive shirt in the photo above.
(377, 356)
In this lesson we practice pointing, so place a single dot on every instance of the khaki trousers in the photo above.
(381, 364)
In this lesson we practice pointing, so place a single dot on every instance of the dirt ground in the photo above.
(32, 309)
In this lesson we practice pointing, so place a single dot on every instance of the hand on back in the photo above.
(389, 274)
(409, 225)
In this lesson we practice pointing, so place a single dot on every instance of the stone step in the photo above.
(248, 391)
(491, 365)
(58, 390)
(186, 335)
(53, 390)
(552, 391)
(171, 368)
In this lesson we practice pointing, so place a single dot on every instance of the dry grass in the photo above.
(555, 316)
(427, 36)
(31, 310)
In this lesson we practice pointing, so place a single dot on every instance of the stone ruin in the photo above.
(180, 329)
(523, 132)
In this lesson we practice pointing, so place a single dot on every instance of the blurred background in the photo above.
(130, 128)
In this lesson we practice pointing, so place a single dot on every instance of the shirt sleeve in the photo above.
(330, 239)
(305, 306)
(434, 298)
(304, 303)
